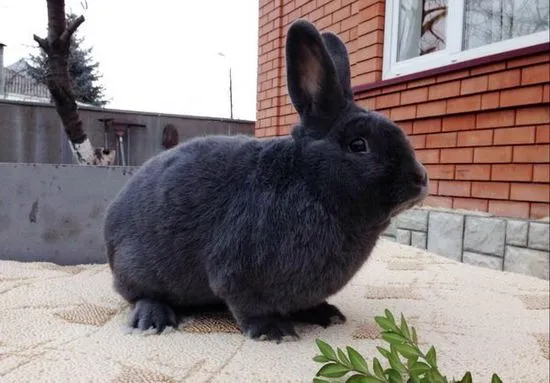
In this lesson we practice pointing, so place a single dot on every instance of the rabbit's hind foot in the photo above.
(269, 328)
(148, 313)
(323, 314)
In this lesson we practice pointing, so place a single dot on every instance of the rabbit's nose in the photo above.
(421, 176)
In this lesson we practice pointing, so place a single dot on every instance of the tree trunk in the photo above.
(56, 47)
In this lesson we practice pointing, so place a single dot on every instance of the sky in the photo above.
(159, 56)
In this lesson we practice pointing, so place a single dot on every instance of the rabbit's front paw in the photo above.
(271, 328)
(152, 314)
(323, 315)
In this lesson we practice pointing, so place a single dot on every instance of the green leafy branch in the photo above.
(407, 363)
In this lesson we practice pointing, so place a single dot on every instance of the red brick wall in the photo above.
(482, 132)
(359, 23)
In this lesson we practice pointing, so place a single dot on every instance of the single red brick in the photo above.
(428, 109)
(441, 140)
(520, 135)
(421, 82)
(428, 156)
(406, 126)
(533, 115)
(437, 201)
(546, 93)
(473, 172)
(530, 192)
(475, 138)
(394, 88)
(418, 141)
(444, 90)
(453, 75)
(464, 104)
(539, 210)
(535, 74)
(493, 154)
(495, 119)
(367, 103)
(521, 96)
(512, 172)
(461, 122)
(403, 113)
(454, 188)
(470, 204)
(429, 125)
(509, 209)
(488, 68)
(433, 187)
(414, 96)
(524, 61)
(532, 153)
(541, 173)
(542, 134)
(456, 156)
(440, 172)
(474, 85)
(491, 190)
(505, 79)
(490, 100)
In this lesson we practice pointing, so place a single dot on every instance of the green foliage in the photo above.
(407, 363)
(83, 71)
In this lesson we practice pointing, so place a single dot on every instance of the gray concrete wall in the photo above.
(33, 133)
(53, 213)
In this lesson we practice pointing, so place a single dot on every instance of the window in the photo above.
(426, 34)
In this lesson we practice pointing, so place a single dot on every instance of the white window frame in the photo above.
(453, 52)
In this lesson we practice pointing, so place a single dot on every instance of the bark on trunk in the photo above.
(56, 47)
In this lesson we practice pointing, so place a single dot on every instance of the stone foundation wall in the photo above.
(481, 239)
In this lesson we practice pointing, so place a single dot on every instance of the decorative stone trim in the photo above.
(501, 243)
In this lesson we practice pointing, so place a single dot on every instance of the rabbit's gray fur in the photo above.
(271, 228)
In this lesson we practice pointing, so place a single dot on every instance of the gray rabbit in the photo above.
(267, 228)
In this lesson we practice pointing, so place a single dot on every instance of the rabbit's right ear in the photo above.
(339, 53)
(312, 79)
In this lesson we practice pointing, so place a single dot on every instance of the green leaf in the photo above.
(326, 349)
(361, 379)
(385, 324)
(393, 338)
(396, 363)
(317, 380)
(495, 379)
(431, 357)
(357, 361)
(385, 353)
(321, 359)
(420, 368)
(389, 315)
(333, 370)
(414, 336)
(394, 376)
(467, 378)
(378, 370)
(364, 379)
(407, 351)
(344, 359)
(405, 327)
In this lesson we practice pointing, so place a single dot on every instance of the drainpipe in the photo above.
(2, 78)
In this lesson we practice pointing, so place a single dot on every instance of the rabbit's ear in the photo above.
(312, 81)
(339, 53)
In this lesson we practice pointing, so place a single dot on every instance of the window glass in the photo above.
(422, 27)
(491, 21)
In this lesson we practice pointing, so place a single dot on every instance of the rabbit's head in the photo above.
(360, 157)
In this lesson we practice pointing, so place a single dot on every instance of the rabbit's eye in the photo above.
(358, 145)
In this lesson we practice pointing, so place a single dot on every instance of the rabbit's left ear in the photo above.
(312, 79)
(339, 53)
